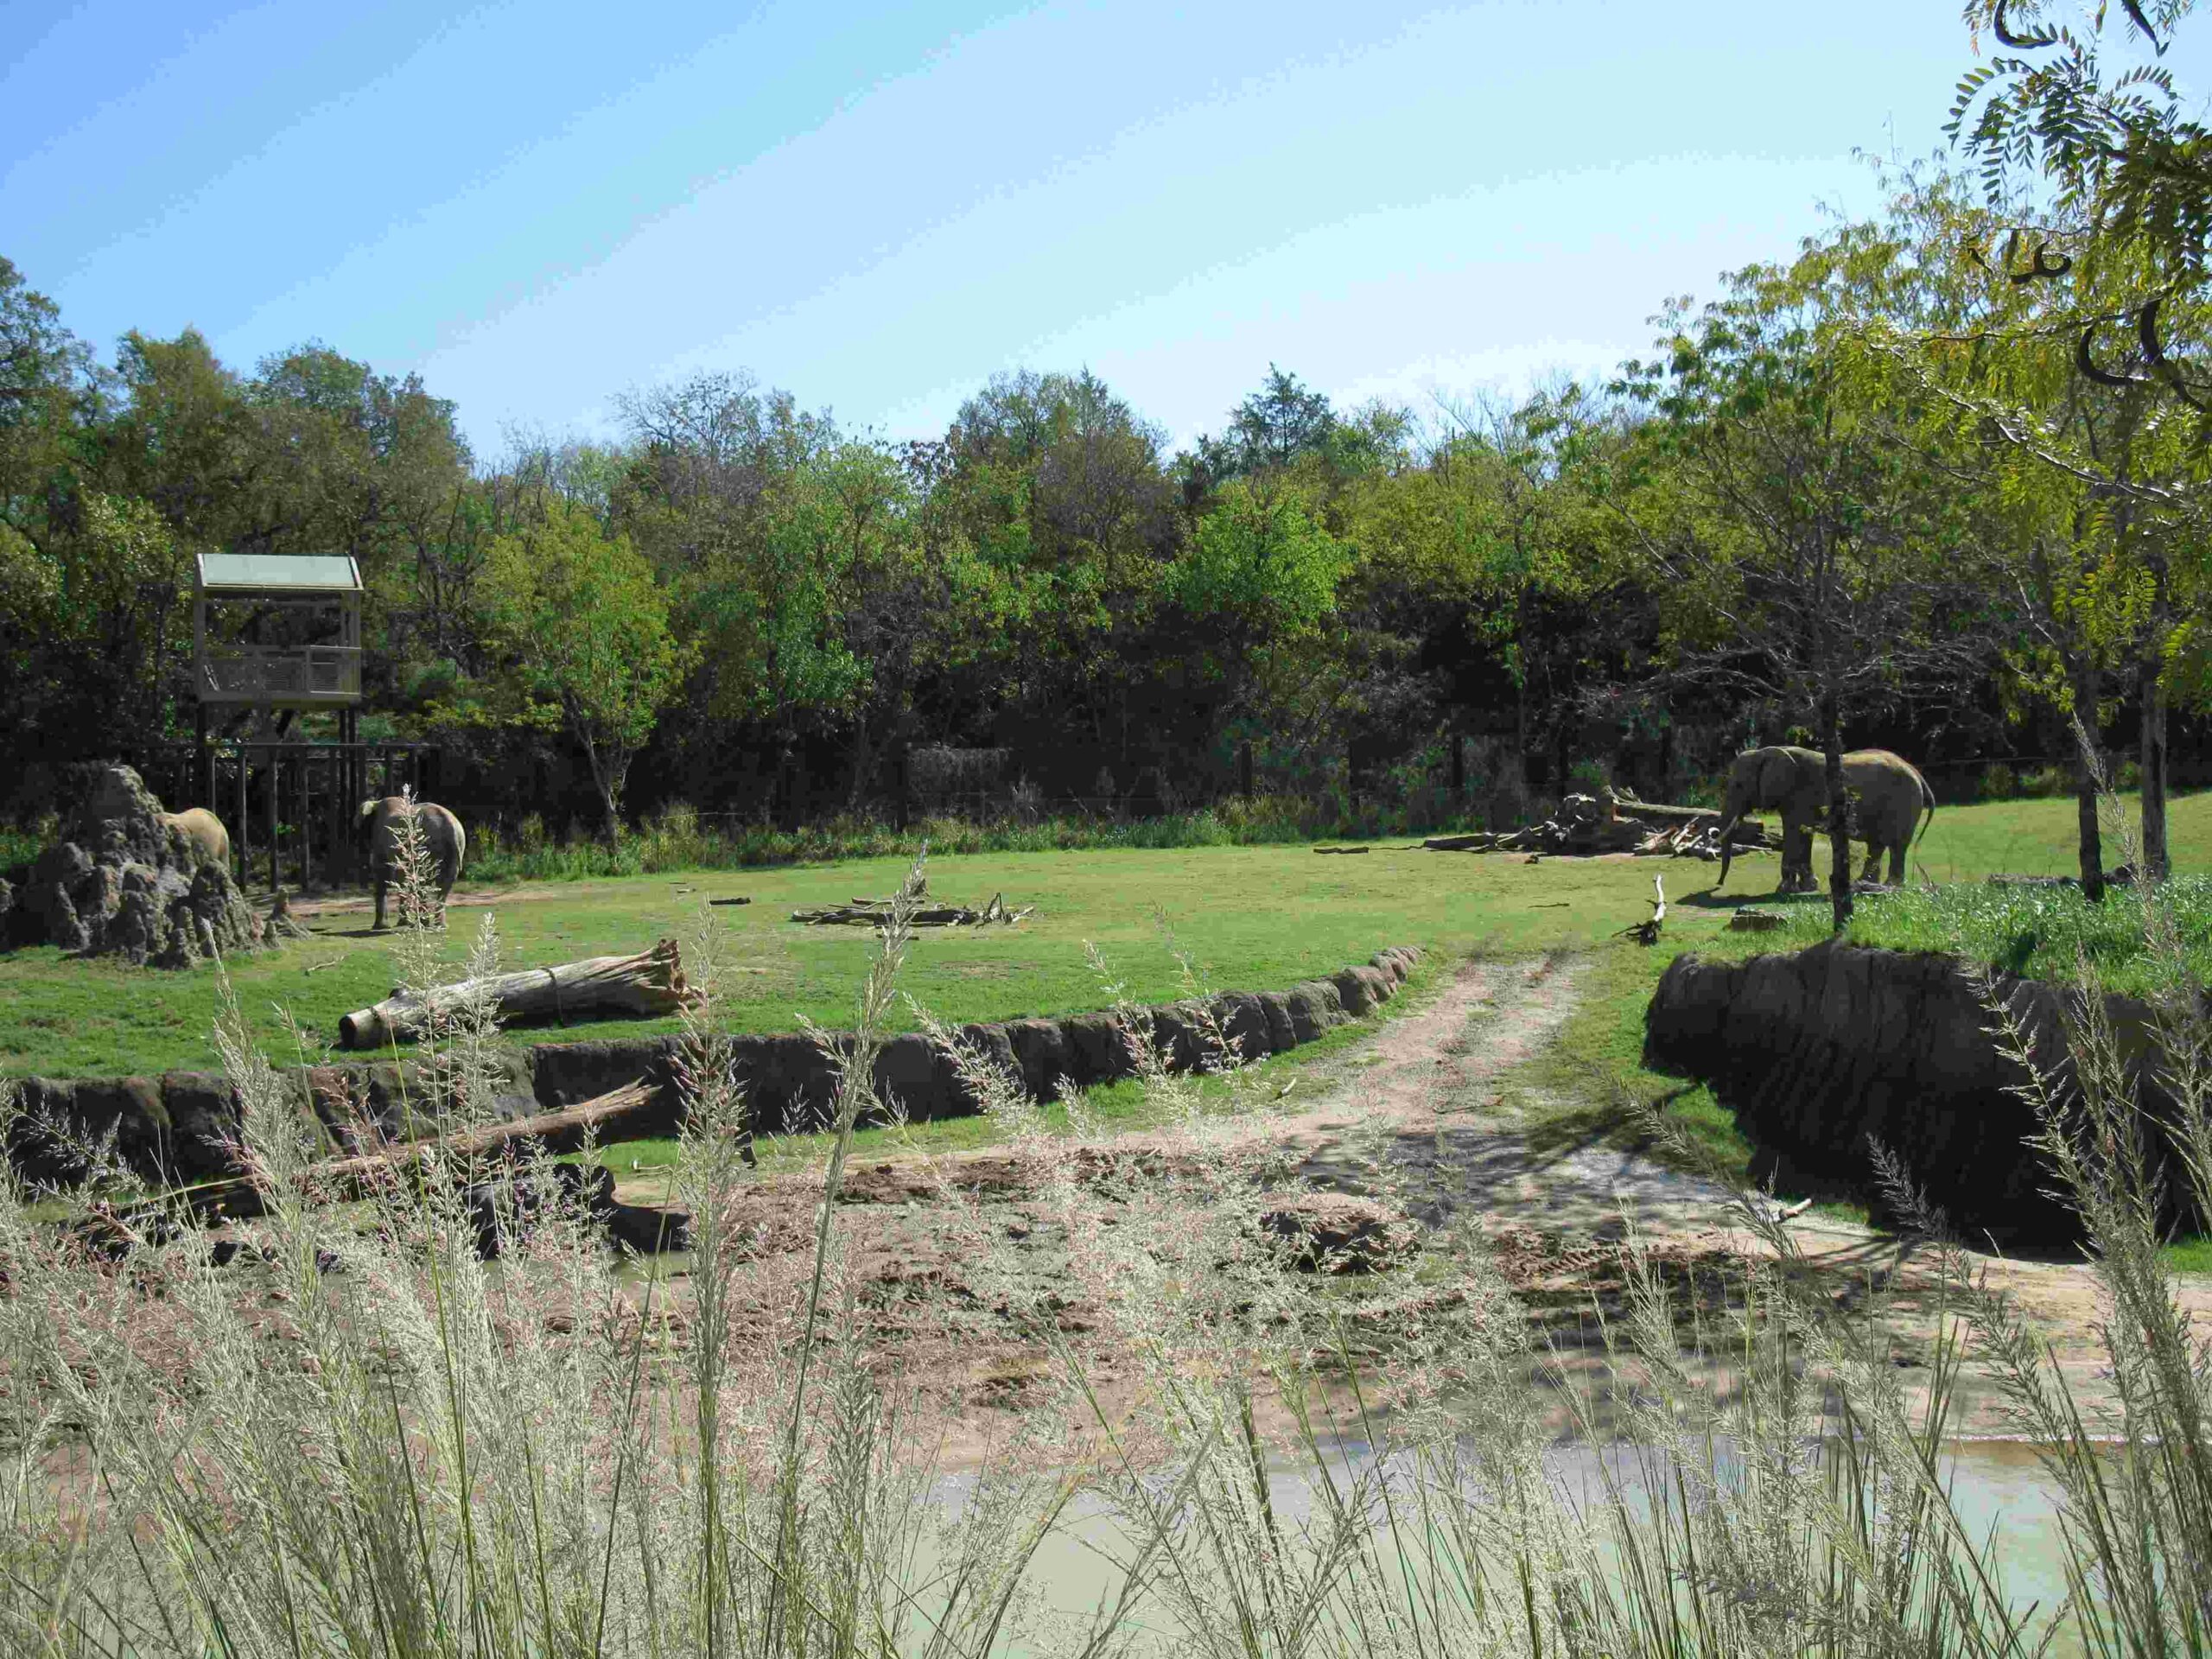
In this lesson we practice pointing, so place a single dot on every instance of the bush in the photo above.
(676, 838)
(20, 844)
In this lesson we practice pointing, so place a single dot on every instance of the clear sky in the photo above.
(536, 206)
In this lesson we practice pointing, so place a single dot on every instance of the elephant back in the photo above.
(441, 833)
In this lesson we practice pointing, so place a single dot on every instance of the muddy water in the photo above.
(1998, 1489)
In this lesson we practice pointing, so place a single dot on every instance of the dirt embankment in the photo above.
(1826, 1053)
(182, 1126)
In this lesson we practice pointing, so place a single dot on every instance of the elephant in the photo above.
(1888, 795)
(442, 838)
(204, 830)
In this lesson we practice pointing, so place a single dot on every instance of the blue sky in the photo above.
(537, 206)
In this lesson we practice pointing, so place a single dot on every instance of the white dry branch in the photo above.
(649, 983)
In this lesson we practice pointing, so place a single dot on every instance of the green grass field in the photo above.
(1253, 917)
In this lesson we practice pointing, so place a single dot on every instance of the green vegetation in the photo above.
(675, 839)
(1804, 514)
(1252, 918)
(2043, 932)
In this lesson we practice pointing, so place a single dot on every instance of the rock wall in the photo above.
(177, 1126)
(1821, 1051)
(123, 881)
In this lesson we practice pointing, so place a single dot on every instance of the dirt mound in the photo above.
(125, 881)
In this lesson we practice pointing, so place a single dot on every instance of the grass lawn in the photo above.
(1252, 917)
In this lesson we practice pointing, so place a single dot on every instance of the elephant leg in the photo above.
(380, 889)
(1897, 863)
(1873, 870)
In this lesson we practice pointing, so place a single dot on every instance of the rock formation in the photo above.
(121, 881)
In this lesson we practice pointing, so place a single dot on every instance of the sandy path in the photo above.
(1420, 1121)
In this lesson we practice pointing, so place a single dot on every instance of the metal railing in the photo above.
(308, 673)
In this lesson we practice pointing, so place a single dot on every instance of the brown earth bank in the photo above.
(1407, 1179)
(1825, 1054)
(180, 1127)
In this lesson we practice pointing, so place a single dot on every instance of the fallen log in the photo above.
(341, 1179)
(651, 983)
(874, 913)
(1474, 843)
(1658, 813)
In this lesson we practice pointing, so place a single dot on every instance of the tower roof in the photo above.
(273, 572)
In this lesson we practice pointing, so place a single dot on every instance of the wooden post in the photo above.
(307, 818)
(338, 863)
(239, 825)
(273, 776)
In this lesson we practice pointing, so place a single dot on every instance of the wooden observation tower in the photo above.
(277, 651)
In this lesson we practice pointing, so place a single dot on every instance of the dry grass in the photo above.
(421, 1453)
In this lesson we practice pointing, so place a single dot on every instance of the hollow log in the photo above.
(343, 1179)
(652, 982)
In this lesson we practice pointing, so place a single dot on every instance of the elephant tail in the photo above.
(1928, 804)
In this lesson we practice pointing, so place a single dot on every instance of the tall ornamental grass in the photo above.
(359, 1439)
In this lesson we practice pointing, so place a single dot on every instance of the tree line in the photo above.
(1937, 478)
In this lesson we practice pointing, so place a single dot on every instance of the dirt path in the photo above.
(1422, 1121)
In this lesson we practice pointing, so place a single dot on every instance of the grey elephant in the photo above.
(443, 839)
(1888, 794)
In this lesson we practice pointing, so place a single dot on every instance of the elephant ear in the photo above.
(1777, 778)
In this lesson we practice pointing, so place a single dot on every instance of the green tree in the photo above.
(581, 631)
(2089, 157)
(2093, 473)
(1803, 553)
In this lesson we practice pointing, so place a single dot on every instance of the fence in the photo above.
(307, 794)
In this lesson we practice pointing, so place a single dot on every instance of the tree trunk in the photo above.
(607, 784)
(863, 757)
(651, 983)
(2157, 865)
(2086, 768)
(624, 1114)
(1839, 814)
